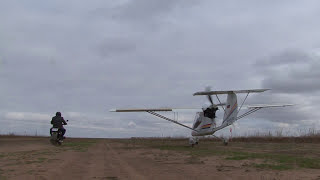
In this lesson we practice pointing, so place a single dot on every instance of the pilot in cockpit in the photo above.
(209, 111)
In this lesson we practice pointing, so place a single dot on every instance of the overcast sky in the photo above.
(85, 57)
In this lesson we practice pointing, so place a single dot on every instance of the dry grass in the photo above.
(311, 136)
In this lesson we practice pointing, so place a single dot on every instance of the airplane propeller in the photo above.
(208, 88)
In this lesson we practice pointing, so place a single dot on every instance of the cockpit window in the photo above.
(196, 124)
(197, 121)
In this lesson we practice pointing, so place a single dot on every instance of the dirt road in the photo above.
(35, 158)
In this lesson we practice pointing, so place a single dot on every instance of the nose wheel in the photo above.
(193, 141)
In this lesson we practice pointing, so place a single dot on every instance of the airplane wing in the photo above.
(141, 110)
(181, 109)
(267, 105)
(153, 112)
(254, 108)
(251, 109)
(229, 92)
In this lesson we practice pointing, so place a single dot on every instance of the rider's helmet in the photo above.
(58, 113)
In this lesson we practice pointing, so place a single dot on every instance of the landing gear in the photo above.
(225, 142)
(193, 141)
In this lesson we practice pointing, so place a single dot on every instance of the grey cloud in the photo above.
(109, 47)
(284, 58)
(292, 75)
(291, 72)
(143, 10)
(89, 57)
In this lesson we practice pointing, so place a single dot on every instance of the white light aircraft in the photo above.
(205, 120)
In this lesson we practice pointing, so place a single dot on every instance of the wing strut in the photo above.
(168, 119)
(244, 101)
(249, 112)
(220, 103)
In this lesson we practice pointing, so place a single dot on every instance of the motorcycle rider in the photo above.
(58, 122)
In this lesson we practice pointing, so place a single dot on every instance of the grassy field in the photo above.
(275, 154)
(24, 157)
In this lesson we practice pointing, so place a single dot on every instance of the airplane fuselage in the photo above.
(203, 125)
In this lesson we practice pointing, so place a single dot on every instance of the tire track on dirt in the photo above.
(124, 167)
(96, 164)
(71, 165)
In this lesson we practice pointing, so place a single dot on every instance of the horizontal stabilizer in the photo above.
(229, 92)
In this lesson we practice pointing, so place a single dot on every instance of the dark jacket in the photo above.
(210, 112)
(58, 122)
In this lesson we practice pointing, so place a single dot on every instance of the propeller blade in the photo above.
(210, 99)
(208, 88)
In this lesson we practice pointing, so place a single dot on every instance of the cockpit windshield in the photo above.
(197, 120)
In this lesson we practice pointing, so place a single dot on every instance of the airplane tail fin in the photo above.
(231, 109)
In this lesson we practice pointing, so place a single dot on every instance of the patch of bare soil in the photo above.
(36, 158)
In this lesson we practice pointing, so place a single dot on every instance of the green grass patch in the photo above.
(246, 155)
(284, 162)
(42, 153)
(31, 162)
(13, 164)
(41, 159)
(30, 171)
(280, 167)
(81, 146)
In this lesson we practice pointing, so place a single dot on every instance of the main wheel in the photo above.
(225, 142)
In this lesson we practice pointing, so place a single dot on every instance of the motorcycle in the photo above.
(56, 136)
